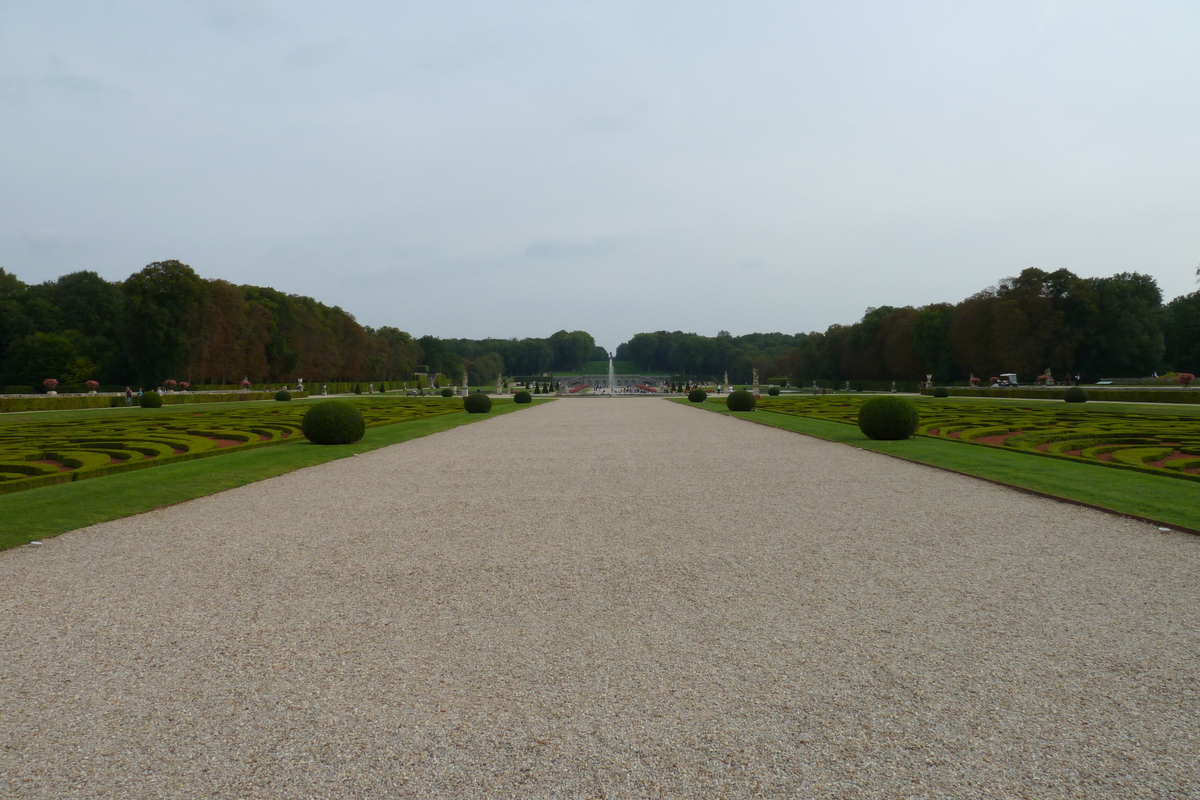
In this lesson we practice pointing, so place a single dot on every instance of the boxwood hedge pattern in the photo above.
(1163, 444)
(36, 453)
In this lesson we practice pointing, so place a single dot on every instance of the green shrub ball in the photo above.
(150, 400)
(697, 395)
(333, 422)
(283, 394)
(773, 391)
(522, 397)
(477, 403)
(888, 418)
(741, 400)
(447, 392)
(941, 391)
(1075, 394)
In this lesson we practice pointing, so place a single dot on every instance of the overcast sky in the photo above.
(472, 169)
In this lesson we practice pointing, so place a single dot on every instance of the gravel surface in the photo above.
(605, 598)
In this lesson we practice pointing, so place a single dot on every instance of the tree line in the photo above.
(167, 322)
(1097, 327)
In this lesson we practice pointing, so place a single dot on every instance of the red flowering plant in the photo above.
(184, 385)
(1185, 378)
(92, 385)
(50, 384)
(246, 383)
(1042, 378)
(170, 384)
(974, 381)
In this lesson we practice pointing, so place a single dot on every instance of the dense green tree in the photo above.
(931, 341)
(32, 359)
(571, 350)
(485, 368)
(162, 304)
(1181, 333)
(1125, 338)
(85, 302)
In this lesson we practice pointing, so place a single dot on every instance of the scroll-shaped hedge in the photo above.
(119, 441)
(1096, 433)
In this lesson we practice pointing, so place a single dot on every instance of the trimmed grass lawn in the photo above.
(1160, 498)
(47, 511)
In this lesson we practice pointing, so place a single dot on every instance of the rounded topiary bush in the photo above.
(522, 397)
(150, 400)
(888, 418)
(741, 400)
(477, 403)
(447, 392)
(941, 391)
(283, 394)
(773, 391)
(1075, 395)
(333, 422)
(697, 395)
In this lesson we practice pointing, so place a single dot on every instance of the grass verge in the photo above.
(51, 510)
(1157, 499)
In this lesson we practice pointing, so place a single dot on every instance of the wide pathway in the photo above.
(605, 598)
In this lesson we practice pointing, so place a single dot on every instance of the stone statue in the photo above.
(754, 382)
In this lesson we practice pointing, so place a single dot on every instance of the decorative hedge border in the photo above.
(72, 402)
(1164, 395)
(92, 447)
(1130, 437)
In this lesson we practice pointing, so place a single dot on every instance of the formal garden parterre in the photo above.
(36, 453)
(1159, 443)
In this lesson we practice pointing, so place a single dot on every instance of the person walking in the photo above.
(128, 396)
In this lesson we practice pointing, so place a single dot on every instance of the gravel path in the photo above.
(605, 598)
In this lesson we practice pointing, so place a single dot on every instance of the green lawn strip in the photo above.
(1154, 498)
(51, 510)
